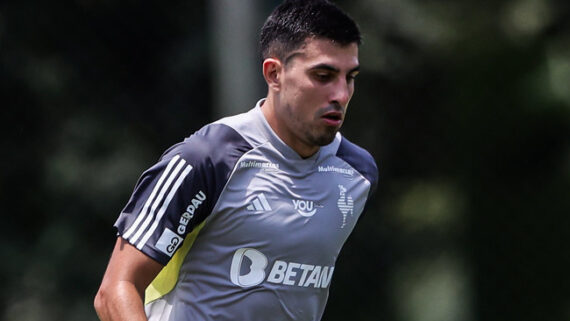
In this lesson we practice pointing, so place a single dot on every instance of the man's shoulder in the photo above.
(213, 141)
(359, 158)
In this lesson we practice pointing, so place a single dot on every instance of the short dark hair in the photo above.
(293, 21)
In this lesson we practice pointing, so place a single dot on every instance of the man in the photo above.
(244, 220)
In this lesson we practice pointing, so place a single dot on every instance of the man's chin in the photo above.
(325, 139)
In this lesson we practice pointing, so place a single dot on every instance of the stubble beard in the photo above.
(323, 138)
(311, 134)
(325, 135)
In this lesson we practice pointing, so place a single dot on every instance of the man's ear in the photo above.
(272, 71)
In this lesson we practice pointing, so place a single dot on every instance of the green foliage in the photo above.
(464, 104)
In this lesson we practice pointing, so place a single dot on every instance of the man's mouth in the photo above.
(333, 118)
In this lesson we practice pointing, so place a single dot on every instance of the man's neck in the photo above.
(269, 108)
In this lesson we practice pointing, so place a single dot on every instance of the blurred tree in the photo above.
(464, 104)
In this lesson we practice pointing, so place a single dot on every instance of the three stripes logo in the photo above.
(149, 218)
(258, 204)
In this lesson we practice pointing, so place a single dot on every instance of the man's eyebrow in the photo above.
(332, 68)
(324, 67)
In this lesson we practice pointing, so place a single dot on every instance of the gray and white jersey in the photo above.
(246, 228)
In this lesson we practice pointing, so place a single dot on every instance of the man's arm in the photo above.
(121, 294)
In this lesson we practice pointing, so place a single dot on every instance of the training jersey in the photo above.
(246, 228)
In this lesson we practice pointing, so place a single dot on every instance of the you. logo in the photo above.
(305, 208)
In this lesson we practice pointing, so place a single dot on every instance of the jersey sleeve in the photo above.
(179, 192)
(361, 160)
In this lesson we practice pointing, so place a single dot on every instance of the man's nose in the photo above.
(341, 93)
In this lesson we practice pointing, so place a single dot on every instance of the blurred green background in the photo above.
(464, 104)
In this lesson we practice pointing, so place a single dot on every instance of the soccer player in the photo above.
(244, 219)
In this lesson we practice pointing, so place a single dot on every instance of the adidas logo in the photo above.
(259, 204)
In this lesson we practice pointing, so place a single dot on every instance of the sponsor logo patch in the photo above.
(344, 171)
(305, 208)
(168, 242)
(267, 166)
(189, 213)
(249, 269)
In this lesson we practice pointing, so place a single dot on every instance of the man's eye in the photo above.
(323, 76)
